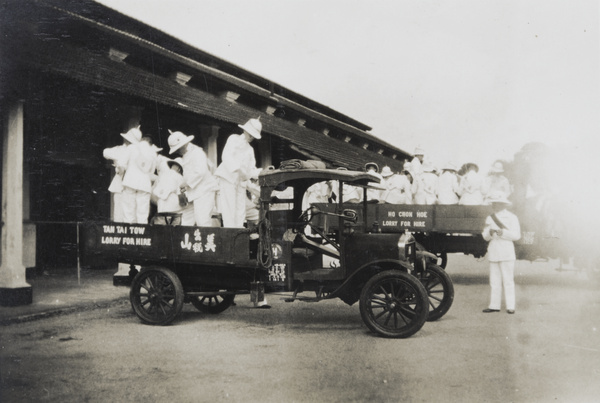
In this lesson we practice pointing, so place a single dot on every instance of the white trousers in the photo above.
(203, 208)
(117, 207)
(187, 215)
(502, 274)
(136, 206)
(232, 204)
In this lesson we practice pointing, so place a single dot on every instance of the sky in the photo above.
(467, 80)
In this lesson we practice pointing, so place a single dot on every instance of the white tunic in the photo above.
(426, 192)
(470, 189)
(119, 155)
(141, 165)
(238, 161)
(196, 173)
(398, 190)
(501, 248)
(448, 188)
(167, 189)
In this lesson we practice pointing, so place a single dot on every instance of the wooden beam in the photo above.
(117, 55)
(270, 110)
(181, 78)
(230, 96)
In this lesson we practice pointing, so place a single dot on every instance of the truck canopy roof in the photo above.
(275, 177)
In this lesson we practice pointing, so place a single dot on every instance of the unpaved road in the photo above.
(308, 352)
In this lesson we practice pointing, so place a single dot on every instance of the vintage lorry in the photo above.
(332, 252)
(446, 229)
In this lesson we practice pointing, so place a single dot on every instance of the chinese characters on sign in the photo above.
(277, 272)
(197, 246)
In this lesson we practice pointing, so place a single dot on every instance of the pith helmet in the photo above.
(176, 161)
(253, 127)
(497, 168)
(371, 165)
(178, 140)
(428, 167)
(498, 197)
(450, 167)
(386, 171)
(134, 135)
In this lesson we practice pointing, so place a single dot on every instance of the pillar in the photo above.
(14, 289)
(209, 134)
(124, 272)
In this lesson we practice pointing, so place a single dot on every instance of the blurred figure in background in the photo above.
(470, 185)
(373, 193)
(417, 162)
(496, 182)
(448, 185)
(427, 183)
(398, 189)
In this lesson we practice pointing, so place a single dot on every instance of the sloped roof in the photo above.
(82, 56)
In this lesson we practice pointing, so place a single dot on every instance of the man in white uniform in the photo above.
(417, 162)
(120, 156)
(398, 189)
(501, 230)
(496, 182)
(427, 183)
(448, 185)
(200, 184)
(238, 165)
(137, 182)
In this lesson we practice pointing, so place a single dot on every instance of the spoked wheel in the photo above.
(440, 290)
(394, 304)
(213, 304)
(156, 295)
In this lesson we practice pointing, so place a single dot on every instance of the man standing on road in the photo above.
(501, 230)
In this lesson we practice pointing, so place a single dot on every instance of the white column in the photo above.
(209, 137)
(265, 152)
(14, 289)
(124, 271)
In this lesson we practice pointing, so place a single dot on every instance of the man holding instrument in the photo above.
(501, 230)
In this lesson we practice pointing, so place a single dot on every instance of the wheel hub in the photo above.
(394, 305)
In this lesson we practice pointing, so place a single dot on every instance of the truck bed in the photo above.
(155, 244)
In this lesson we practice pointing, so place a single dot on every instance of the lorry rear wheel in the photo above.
(213, 304)
(440, 290)
(156, 295)
(394, 304)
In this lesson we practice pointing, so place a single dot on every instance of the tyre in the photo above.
(394, 304)
(213, 304)
(440, 290)
(156, 295)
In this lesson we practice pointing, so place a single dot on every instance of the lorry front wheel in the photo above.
(394, 304)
